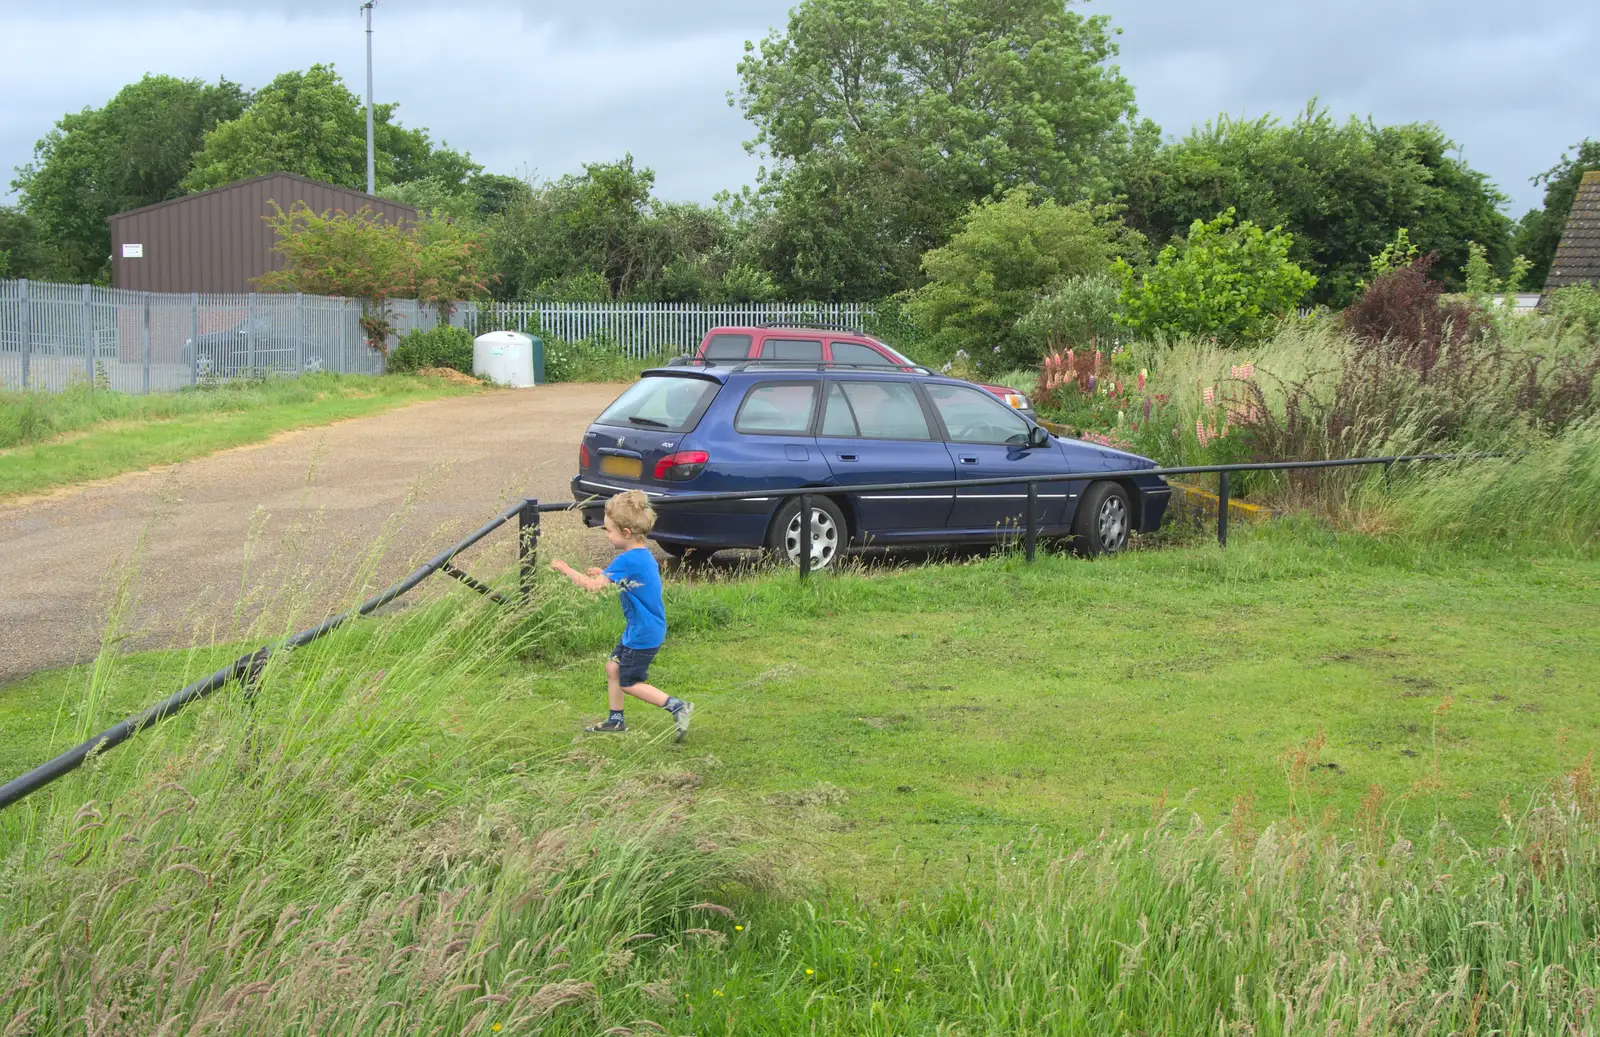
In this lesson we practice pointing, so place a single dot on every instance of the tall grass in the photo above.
(1181, 930)
(34, 417)
(1548, 493)
(355, 848)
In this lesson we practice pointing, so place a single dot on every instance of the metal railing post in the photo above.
(250, 334)
(1222, 510)
(528, 543)
(1031, 536)
(146, 343)
(25, 305)
(805, 536)
(87, 308)
(194, 338)
(299, 334)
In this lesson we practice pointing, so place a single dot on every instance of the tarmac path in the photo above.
(247, 540)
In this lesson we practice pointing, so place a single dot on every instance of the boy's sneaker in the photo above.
(680, 720)
(607, 726)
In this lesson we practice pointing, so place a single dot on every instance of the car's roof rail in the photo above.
(811, 326)
(829, 365)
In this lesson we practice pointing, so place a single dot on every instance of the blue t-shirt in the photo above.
(635, 572)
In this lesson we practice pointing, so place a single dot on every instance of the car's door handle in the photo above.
(847, 457)
(966, 459)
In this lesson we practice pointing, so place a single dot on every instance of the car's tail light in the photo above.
(1017, 401)
(684, 465)
(583, 455)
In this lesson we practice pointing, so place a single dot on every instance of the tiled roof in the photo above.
(1578, 256)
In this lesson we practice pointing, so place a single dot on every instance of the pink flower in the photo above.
(1141, 381)
(1242, 372)
(1200, 432)
(1210, 396)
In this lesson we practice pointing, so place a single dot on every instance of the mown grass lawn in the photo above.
(906, 718)
(51, 440)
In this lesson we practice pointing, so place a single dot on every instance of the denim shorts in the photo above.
(633, 664)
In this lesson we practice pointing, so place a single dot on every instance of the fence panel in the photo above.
(52, 335)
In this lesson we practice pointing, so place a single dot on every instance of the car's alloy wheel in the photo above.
(1103, 521)
(827, 534)
(1113, 522)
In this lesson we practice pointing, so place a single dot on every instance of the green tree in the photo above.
(309, 123)
(362, 255)
(602, 235)
(886, 119)
(994, 269)
(23, 250)
(1539, 231)
(1341, 189)
(135, 151)
(1223, 281)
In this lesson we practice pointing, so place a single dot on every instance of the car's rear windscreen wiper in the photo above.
(651, 422)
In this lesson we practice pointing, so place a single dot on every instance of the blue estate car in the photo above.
(764, 425)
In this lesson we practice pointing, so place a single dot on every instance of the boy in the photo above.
(629, 519)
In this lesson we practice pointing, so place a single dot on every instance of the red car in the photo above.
(818, 344)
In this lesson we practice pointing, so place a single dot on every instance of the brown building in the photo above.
(1578, 256)
(217, 241)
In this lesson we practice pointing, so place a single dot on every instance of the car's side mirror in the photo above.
(1038, 436)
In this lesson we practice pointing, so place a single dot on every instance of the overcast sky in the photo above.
(543, 86)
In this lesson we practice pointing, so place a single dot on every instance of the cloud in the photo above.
(550, 84)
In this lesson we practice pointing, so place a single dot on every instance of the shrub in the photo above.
(1083, 311)
(1224, 282)
(992, 271)
(1578, 304)
(443, 346)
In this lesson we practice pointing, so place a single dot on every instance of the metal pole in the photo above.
(299, 334)
(1031, 538)
(88, 334)
(250, 334)
(528, 543)
(194, 338)
(146, 343)
(1222, 511)
(371, 185)
(27, 330)
(805, 536)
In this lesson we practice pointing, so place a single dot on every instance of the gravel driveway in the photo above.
(243, 542)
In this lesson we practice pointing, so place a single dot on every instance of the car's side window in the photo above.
(973, 416)
(887, 410)
(859, 353)
(807, 350)
(777, 409)
(837, 418)
(728, 347)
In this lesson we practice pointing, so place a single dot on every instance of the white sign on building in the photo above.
(132, 251)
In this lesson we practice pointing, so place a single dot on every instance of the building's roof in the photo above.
(358, 197)
(1578, 256)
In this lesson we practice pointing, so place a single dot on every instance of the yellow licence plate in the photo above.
(625, 467)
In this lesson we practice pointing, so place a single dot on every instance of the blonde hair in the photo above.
(631, 511)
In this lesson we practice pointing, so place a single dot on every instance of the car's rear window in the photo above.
(859, 353)
(662, 402)
(805, 349)
(783, 409)
(727, 347)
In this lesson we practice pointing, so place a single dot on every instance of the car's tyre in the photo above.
(1103, 521)
(828, 533)
(684, 554)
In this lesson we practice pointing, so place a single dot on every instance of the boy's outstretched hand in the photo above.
(594, 580)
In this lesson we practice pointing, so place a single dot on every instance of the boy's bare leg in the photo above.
(613, 685)
(645, 693)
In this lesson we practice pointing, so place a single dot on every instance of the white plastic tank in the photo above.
(504, 358)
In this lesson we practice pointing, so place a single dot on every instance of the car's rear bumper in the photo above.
(717, 525)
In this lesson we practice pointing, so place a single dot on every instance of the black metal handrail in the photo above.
(527, 511)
